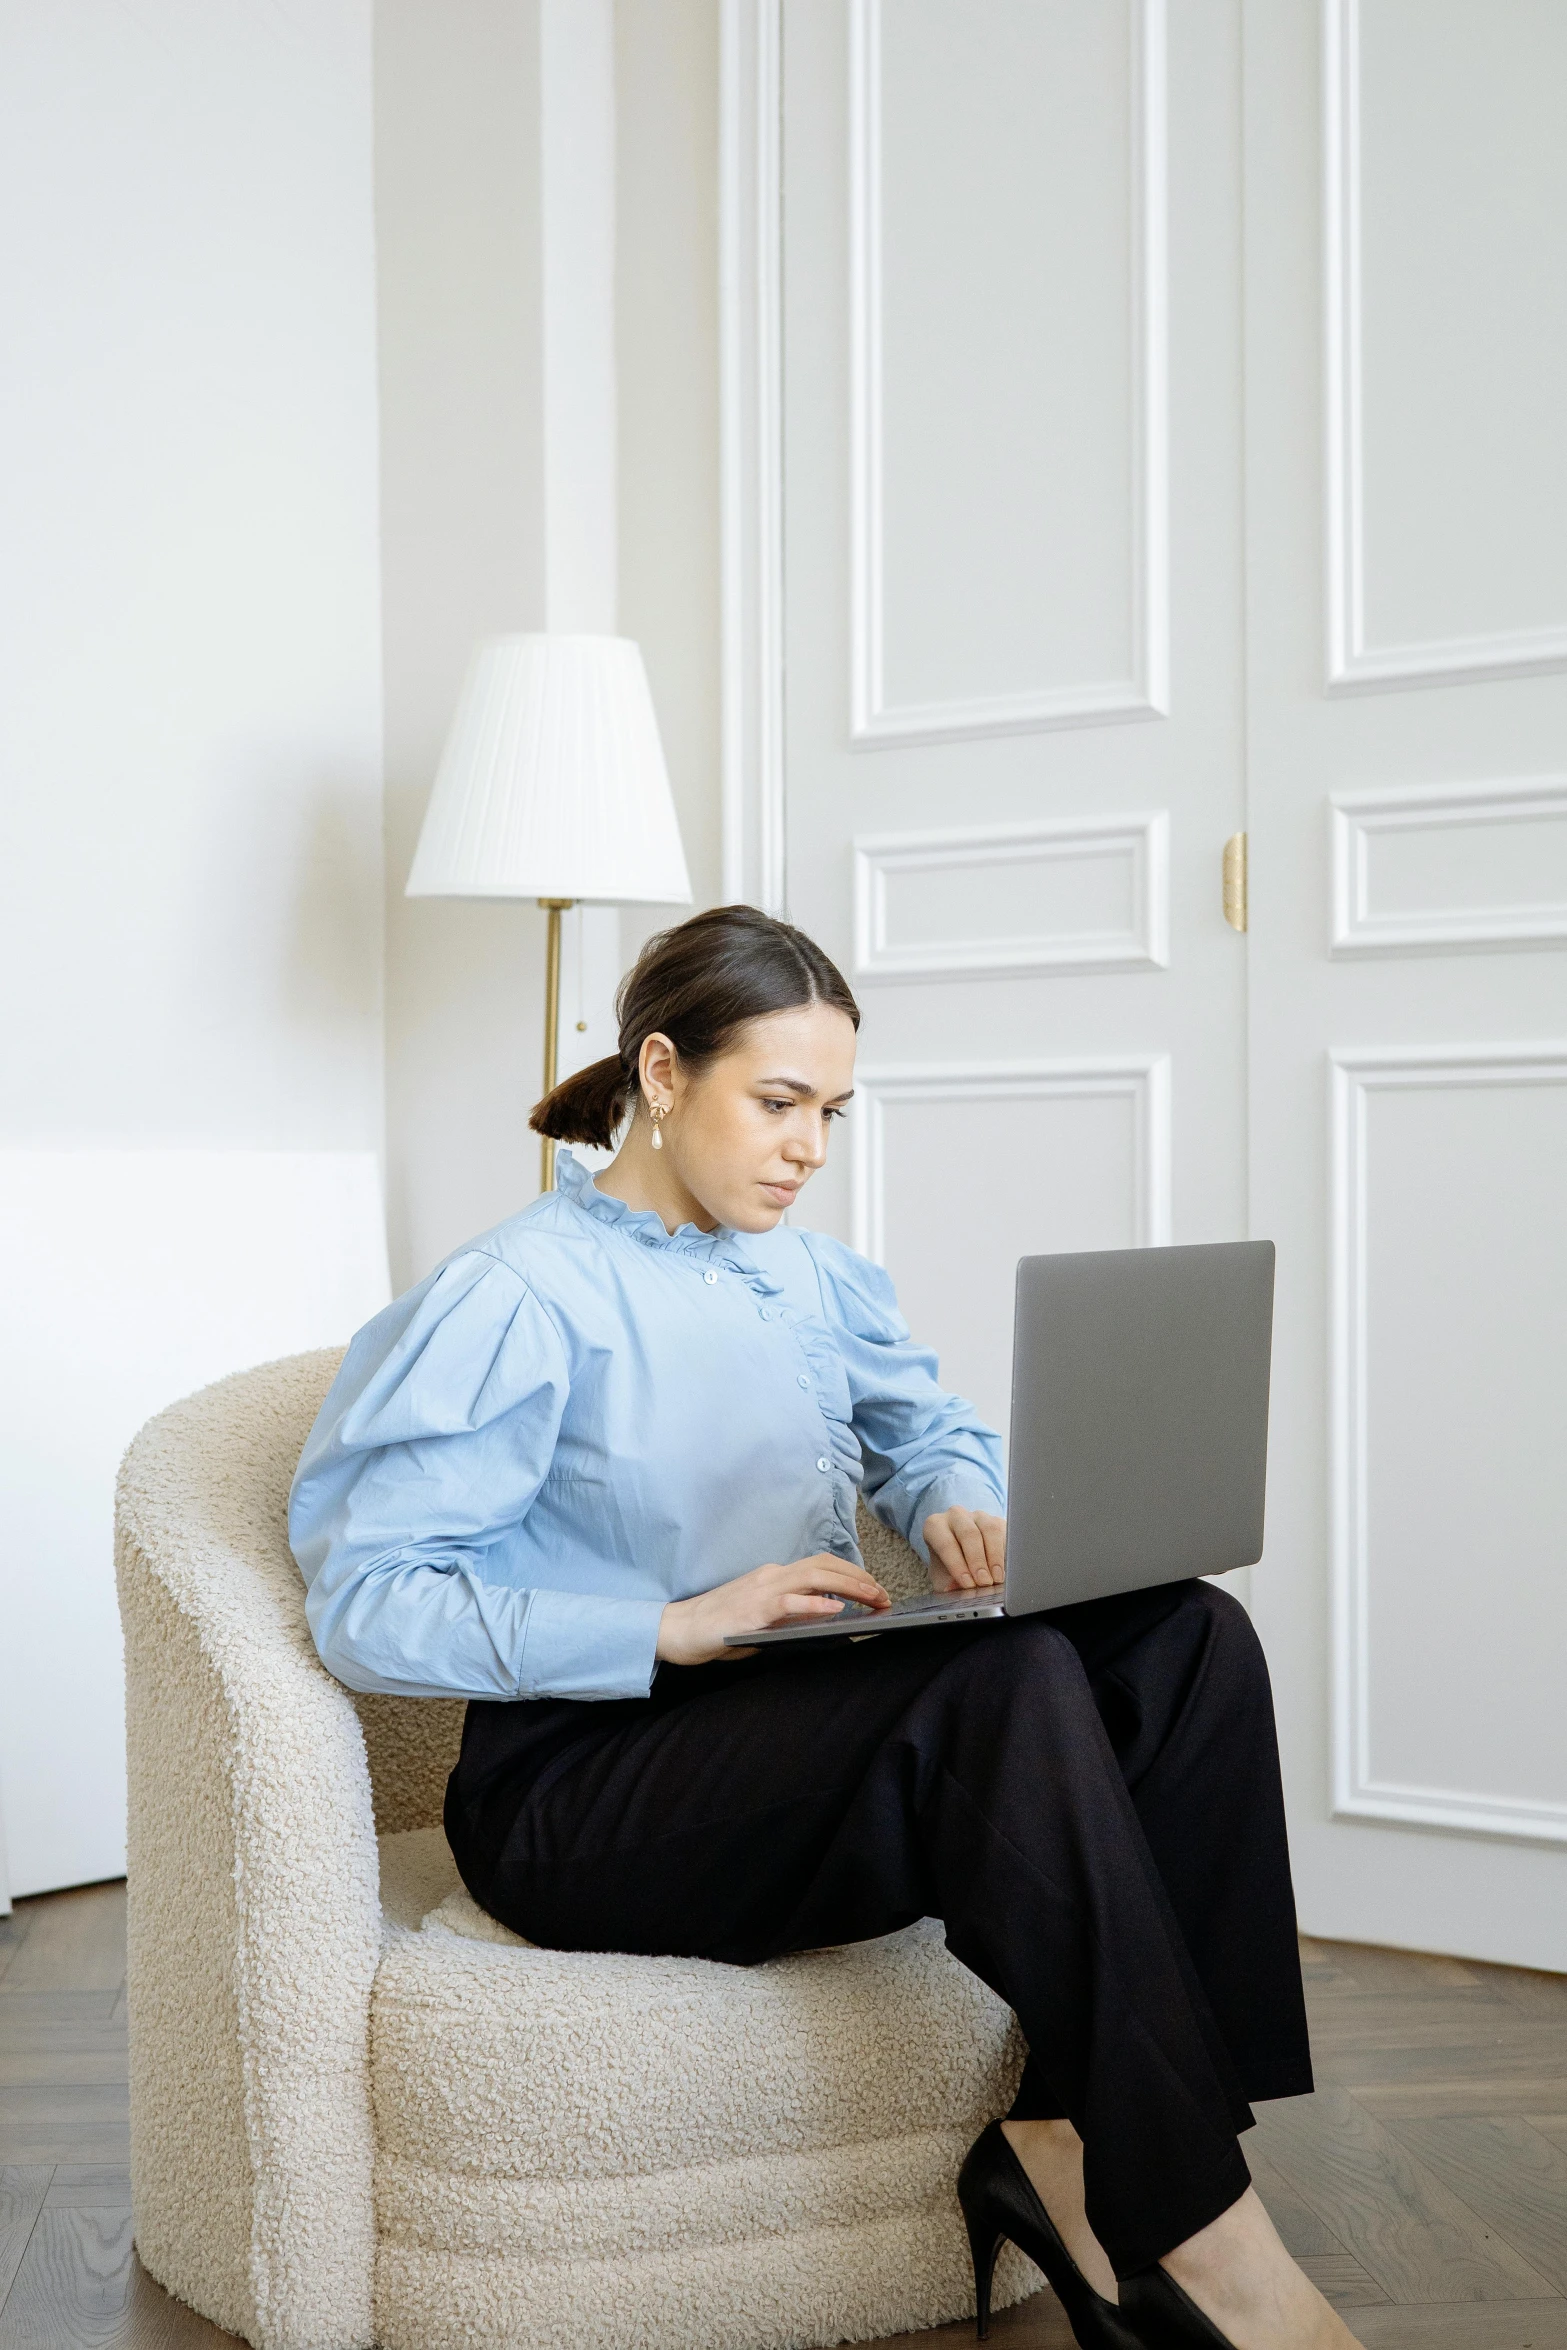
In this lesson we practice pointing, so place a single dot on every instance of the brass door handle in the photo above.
(1235, 908)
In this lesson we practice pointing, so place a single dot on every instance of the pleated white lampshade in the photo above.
(553, 783)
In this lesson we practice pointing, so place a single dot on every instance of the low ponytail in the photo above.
(587, 1106)
(697, 984)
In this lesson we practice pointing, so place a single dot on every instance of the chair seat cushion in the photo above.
(498, 2059)
(668, 2145)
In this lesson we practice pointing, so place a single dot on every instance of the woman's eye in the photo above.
(831, 1114)
(778, 1105)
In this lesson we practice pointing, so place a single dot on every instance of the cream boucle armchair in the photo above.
(361, 2111)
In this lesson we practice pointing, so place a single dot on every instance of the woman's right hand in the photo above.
(693, 1631)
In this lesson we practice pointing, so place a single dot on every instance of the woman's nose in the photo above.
(806, 1150)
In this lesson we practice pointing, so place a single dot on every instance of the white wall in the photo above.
(470, 458)
(131, 1277)
(666, 300)
(459, 289)
(189, 671)
(272, 409)
(190, 897)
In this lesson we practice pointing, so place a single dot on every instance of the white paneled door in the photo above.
(1143, 423)
(1406, 302)
(1010, 415)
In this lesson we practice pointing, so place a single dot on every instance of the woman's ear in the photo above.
(656, 1069)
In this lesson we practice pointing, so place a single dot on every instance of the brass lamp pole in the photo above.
(554, 907)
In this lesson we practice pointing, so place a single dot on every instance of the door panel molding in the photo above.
(1358, 818)
(1144, 1078)
(1139, 842)
(1353, 665)
(1145, 692)
(1357, 1791)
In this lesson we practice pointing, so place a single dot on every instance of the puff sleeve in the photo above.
(437, 1434)
(923, 1449)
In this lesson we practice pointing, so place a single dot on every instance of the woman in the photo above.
(634, 1420)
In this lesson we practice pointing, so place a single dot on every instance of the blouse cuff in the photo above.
(962, 1489)
(574, 1645)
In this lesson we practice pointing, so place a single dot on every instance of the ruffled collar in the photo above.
(576, 1182)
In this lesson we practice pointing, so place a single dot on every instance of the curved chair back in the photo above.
(254, 1912)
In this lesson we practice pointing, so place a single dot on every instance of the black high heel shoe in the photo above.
(1162, 2317)
(1000, 2205)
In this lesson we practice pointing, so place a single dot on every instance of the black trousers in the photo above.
(1090, 1800)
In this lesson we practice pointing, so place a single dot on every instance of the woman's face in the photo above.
(748, 1131)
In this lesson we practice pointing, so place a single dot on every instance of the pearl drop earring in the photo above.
(658, 1113)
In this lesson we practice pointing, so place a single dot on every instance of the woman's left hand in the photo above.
(968, 1549)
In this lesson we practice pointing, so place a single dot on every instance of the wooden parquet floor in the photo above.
(1424, 2187)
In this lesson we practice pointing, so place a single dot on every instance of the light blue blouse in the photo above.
(580, 1417)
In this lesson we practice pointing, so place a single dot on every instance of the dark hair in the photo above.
(697, 984)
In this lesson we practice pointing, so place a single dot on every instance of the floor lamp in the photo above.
(553, 786)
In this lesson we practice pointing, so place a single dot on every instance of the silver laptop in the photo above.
(1139, 1433)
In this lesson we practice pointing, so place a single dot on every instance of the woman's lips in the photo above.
(783, 1193)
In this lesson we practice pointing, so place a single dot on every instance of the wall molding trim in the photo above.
(1357, 817)
(1354, 665)
(750, 185)
(1145, 693)
(1143, 1077)
(1142, 840)
(1357, 1792)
